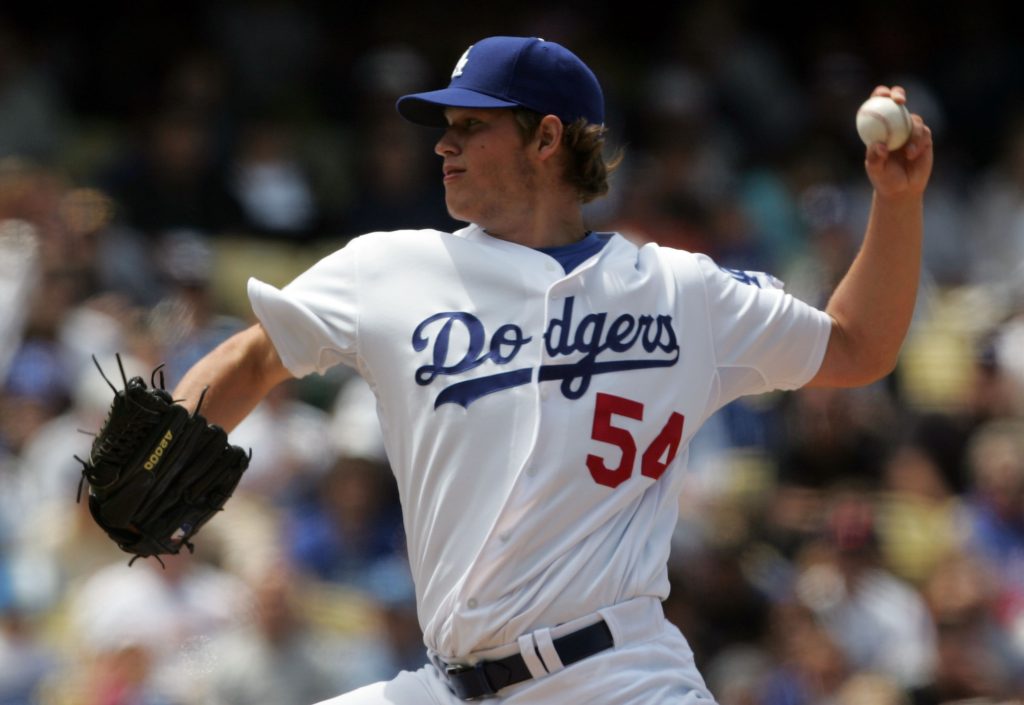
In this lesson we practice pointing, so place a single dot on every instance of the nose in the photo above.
(446, 145)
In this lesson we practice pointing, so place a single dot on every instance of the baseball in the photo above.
(881, 119)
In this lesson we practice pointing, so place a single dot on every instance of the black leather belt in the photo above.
(488, 677)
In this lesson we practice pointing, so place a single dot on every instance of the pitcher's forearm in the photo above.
(236, 376)
(874, 303)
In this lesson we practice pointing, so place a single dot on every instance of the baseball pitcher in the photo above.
(538, 384)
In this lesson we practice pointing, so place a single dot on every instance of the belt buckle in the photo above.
(469, 682)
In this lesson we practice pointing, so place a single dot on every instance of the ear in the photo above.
(549, 136)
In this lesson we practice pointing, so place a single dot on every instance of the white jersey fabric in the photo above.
(536, 421)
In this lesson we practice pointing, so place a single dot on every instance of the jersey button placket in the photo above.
(542, 387)
(558, 291)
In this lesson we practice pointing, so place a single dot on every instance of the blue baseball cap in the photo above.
(513, 72)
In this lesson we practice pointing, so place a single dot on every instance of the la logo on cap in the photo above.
(462, 62)
(512, 72)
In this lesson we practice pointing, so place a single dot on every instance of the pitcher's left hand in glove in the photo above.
(156, 473)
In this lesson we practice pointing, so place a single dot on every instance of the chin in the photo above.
(459, 214)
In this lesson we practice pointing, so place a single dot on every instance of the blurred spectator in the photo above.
(810, 666)
(36, 390)
(348, 523)
(738, 242)
(19, 272)
(390, 584)
(172, 178)
(942, 437)
(793, 516)
(812, 275)
(365, 633)
(738, 675)
(977, 656)
(949, 363)
(399, 185)
(1008, 344)
(721, 608)
(104, 326)
(880, 622)
(679, 167)
(32, 111)
(271, 184)
(834, 435)
(355, 429)
(161, 607)
(871, 689)
(794, 201)
(380, 176)
(920, 521)
(291, 445)
(997, 213)
(964, 671)
(154, 619)
(275, 657)
(25, 661)
(185, 322)
(110, 675)
(49, 281)
(995, 507)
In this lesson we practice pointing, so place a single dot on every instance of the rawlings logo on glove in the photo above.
(156, 473)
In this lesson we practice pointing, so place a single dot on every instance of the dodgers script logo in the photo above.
(459, 342)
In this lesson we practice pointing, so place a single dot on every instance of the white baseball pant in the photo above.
(650, 663)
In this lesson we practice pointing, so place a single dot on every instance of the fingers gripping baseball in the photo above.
(904, 171)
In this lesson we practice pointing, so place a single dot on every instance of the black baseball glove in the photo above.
(156, 473)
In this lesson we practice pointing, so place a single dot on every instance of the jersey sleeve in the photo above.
(764, 339)
(314, 320)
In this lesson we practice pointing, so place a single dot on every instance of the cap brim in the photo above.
(428, 108)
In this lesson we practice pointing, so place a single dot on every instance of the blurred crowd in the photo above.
(858, 547)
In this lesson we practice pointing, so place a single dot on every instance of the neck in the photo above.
(537, 226)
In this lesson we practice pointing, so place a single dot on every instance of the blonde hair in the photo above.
(585, 165)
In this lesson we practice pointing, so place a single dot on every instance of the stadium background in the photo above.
(850, 547)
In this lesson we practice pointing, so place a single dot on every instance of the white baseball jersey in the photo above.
(537, 422)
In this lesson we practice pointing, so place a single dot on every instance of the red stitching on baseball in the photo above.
(878, 116)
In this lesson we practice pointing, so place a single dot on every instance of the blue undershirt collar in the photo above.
(572, 255)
